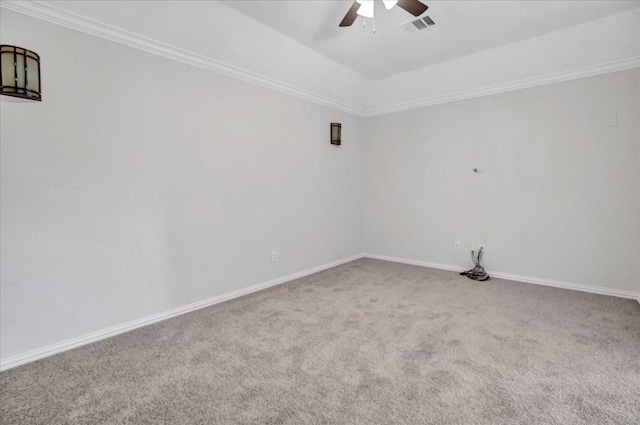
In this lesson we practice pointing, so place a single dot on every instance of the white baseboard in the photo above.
(50, 350)
(620, 293)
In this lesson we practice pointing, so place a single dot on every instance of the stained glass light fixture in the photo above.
(20, 73)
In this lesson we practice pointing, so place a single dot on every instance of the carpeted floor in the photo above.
(368, 342)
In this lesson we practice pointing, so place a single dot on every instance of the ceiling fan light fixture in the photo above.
(366, 8)
(389, 3)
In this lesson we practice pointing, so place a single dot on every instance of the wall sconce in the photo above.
(336, 133)
(20, 73)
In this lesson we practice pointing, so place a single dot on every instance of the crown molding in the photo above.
(589, 71)
(86, 25)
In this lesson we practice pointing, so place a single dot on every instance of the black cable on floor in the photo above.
(478, 272)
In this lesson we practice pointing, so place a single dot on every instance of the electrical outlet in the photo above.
(274, 256)
(456, 246)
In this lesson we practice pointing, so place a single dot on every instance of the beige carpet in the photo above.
(368, 342)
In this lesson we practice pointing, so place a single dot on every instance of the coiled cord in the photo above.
(478, 272)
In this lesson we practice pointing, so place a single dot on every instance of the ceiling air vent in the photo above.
(427, 20)
(417, 25)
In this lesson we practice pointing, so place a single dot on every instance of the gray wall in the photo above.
(141, 184)
(560, 198)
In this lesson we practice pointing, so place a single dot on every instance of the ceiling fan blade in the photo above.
(351, 15)
(414, 7)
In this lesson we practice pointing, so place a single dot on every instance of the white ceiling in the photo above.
(462, 28)
(478, 47)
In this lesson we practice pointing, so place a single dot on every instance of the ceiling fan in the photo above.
(365, 8)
